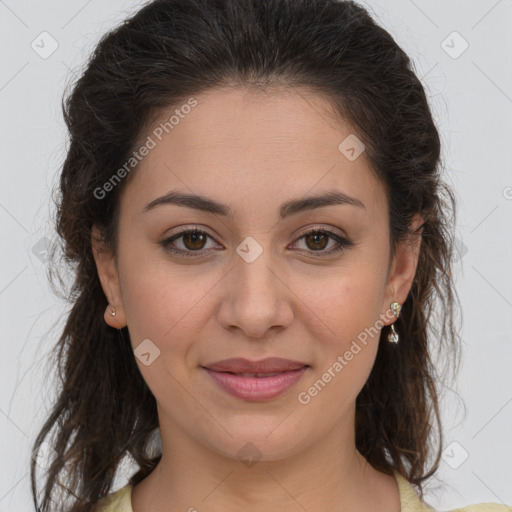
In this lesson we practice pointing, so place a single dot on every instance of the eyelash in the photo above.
(343, 242)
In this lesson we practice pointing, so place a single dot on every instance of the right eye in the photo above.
(192, 239)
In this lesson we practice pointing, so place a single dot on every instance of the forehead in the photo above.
(238, 142)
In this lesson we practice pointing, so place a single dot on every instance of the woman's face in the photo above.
(250, 284)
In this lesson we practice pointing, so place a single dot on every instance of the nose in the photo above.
(256, 299)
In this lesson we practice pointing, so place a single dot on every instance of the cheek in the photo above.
(342, 305)
(156, 295)
(342, 314)
(169, 315)
(169, 309)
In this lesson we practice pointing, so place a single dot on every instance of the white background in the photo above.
(471, 97)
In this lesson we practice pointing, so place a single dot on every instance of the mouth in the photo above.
(262, 368)
(256, 374)
(256, 386)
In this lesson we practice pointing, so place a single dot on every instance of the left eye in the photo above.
(316, 239)
(320, 237)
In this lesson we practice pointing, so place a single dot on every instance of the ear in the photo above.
(109, 278)
(403, 270)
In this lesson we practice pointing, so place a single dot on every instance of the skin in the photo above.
(253, 151)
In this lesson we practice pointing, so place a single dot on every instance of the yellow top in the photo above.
(120, 501)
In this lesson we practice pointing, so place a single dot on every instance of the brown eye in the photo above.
(192, 243)
(318, 240)
(194, 240)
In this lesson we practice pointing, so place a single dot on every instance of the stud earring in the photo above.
(393, 335)
(113, 312)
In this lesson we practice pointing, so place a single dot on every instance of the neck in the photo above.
(254, 476)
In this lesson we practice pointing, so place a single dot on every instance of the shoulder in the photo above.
(484, 507)
(118, 501)
(410, 501)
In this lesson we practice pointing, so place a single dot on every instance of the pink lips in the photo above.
(256, 380)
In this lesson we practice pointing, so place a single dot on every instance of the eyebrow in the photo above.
(294, 206)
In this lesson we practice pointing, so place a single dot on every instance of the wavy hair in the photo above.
(166, 52)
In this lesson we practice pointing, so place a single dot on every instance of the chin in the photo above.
(251, 445)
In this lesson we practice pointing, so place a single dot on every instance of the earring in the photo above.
(393, 335)
(113, 312)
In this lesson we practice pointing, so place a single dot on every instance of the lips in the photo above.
(264, 385)
(262, 368)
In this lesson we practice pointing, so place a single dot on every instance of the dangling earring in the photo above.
(393, 335)
(113, 312)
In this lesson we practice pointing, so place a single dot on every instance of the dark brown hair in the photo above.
(165, 53)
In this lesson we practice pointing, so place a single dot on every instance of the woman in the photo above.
(253, 201)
